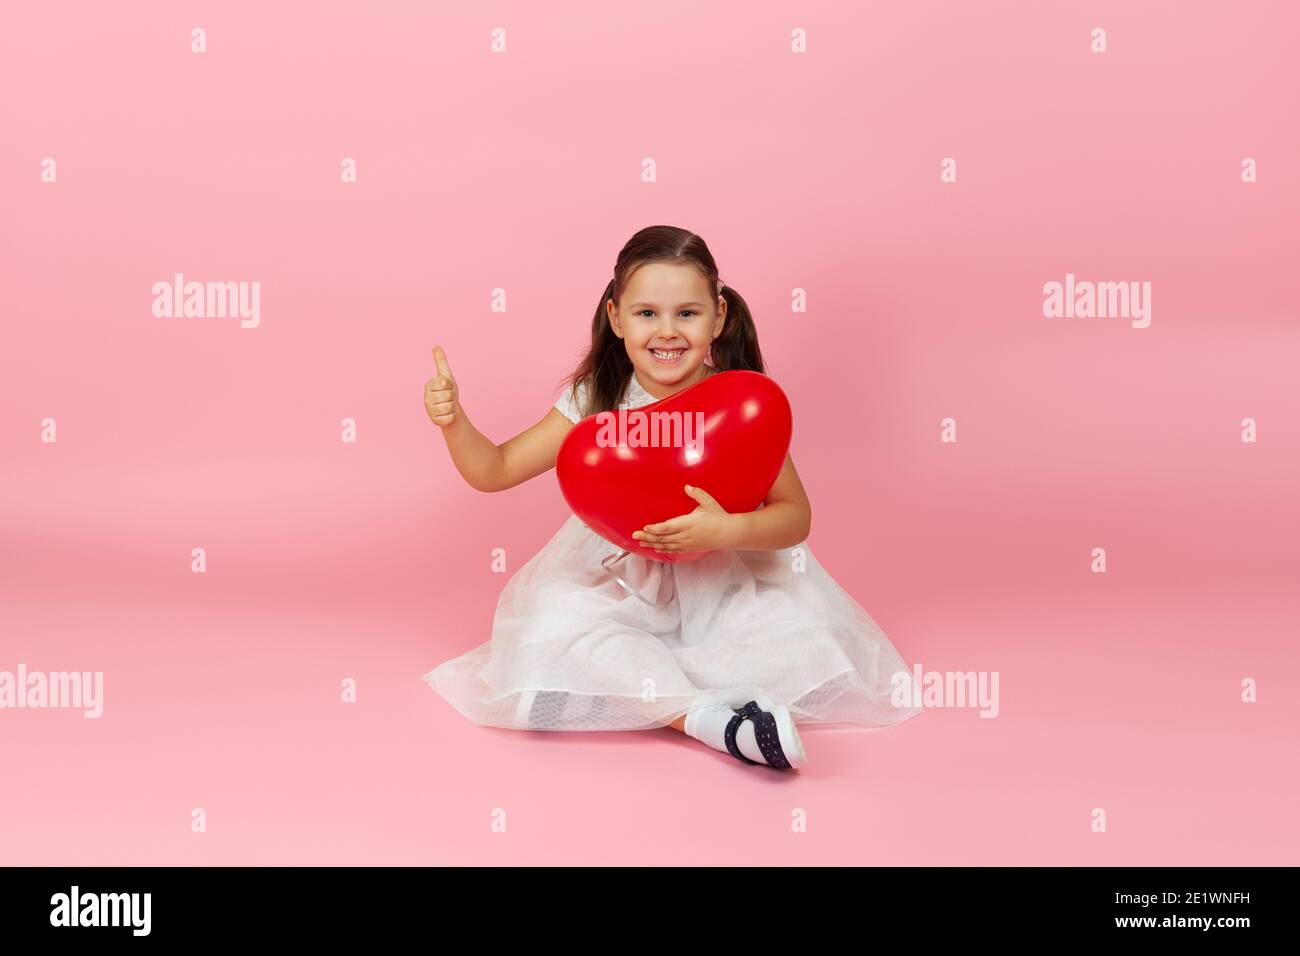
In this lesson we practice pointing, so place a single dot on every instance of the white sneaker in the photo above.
(791, 743)
(774, 732)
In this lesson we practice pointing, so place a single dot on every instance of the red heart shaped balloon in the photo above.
(622, 470)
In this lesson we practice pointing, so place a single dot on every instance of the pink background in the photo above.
(521, 171)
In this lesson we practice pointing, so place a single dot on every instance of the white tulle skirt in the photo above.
(573, 649)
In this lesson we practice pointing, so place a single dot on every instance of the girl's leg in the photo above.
(679, 723)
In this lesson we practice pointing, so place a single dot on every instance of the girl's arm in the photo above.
(489, 467)
(783, 521)
(483, 465)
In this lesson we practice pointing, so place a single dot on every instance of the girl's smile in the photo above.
(667, 356)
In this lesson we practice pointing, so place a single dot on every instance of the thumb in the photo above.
(702, 496)
(440, 359)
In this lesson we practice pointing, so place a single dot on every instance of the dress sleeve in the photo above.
(572, 401)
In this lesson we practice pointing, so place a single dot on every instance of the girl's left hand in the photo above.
(707, 528)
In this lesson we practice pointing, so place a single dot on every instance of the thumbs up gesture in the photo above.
(441, 397)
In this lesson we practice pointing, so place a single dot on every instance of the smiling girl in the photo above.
(737, 648)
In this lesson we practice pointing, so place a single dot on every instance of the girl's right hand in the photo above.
(441, 397)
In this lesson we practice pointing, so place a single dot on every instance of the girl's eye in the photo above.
(683, 312)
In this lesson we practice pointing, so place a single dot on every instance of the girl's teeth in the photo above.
(667, 355)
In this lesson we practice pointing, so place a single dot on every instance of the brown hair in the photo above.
(606, 367)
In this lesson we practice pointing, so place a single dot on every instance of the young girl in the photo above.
(734, 648)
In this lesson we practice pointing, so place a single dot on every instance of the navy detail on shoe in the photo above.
(765, 733)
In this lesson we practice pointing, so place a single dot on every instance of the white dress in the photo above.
(573, 649)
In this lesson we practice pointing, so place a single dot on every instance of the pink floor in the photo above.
(221, 692)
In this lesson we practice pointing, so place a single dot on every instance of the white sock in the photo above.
(709, 725)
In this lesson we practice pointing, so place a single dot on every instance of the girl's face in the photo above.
(667, 321)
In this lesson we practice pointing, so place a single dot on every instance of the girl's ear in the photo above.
(612, 313)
